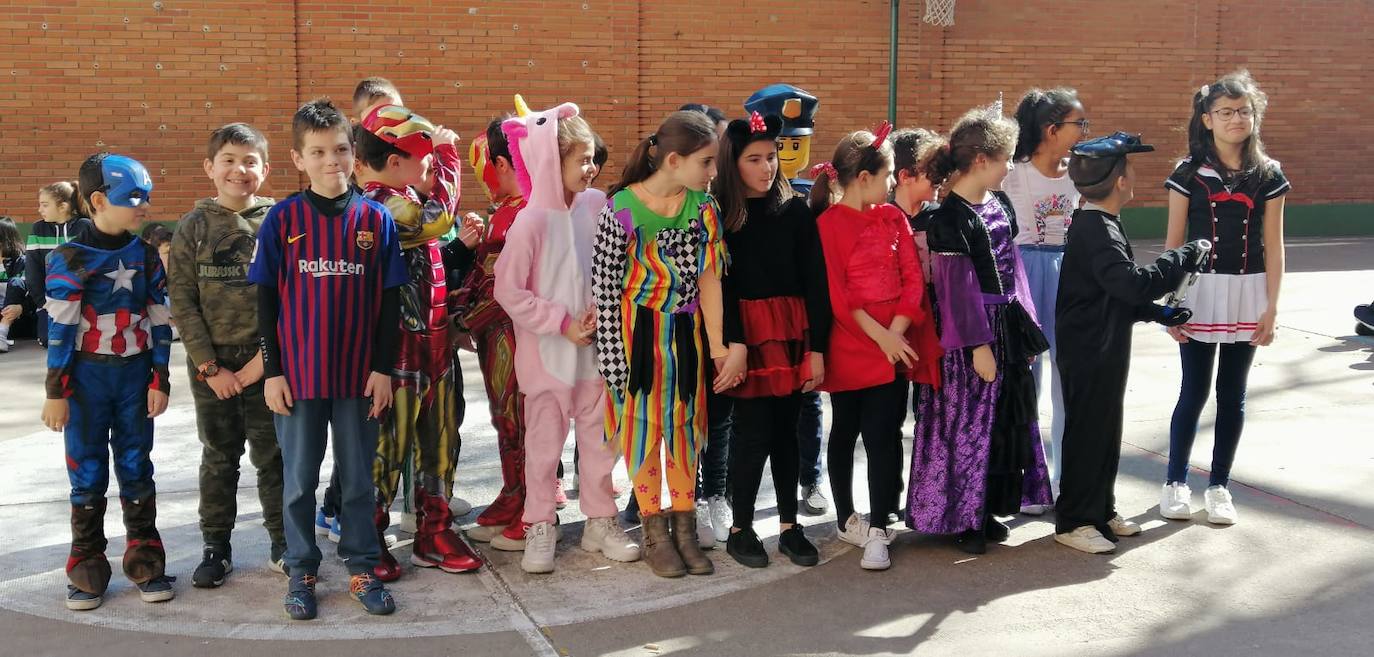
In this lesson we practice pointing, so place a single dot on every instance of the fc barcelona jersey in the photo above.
(329, 272)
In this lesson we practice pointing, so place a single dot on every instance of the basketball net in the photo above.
(939, 12)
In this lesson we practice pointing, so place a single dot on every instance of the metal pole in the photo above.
(892, 67)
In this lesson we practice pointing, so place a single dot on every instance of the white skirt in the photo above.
(1226, 307)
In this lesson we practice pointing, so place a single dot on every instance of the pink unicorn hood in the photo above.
(534, 152)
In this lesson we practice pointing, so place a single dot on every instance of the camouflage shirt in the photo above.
(212, 301)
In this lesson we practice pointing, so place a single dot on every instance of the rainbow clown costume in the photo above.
(109, 342)
(424, 421)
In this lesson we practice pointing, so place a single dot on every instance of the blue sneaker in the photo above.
(78, 600)
(300, 598)
(369, 590)
(323, 523)
(334, 532)
(157, 589)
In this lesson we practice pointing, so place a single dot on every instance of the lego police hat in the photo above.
(1113, 145)
(127, 183)
(796, 107)
(401, 128)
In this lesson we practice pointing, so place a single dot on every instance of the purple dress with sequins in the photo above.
(977, 449)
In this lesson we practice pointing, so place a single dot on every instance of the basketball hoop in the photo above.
(939, 12)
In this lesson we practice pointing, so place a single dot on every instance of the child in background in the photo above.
(218, 307)
(656, 276)
(107, 378)
(15, 307)
(914, 190)
(1230, 192)
(883, 334)
(976, 452)
(1044, 198)
(59, 221)
(160, 238)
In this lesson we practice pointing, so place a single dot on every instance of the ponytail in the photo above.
(819, 199)
(1037, 111)
(684, 132)
(941, 165)
(640, 166)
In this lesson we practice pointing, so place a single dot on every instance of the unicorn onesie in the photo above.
(544, 282)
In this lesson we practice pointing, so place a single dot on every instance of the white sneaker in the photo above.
(722, 518)
(4, 346)
(1123, 527)
(483, 533)
(1034, 509)
(814, 502)
(855, 531)
(1086, 539)
(540, 543)
(875, 549)
(408, 522)
(604, 535)
(459, 506)
(706, 535)
(1221, 510)
(1175, 501)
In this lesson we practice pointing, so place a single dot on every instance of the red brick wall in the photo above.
(152, 79)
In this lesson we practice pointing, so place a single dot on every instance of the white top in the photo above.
(1044, 206)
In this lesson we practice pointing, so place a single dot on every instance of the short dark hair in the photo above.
(599, 151)
(238, 134)
(319, 115)
(1101, 172)
(373, 150)
(372, 89)
(156, 235)
(497, 145)
(89, 178)
(713, 113)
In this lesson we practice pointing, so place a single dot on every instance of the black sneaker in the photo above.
(300, 598)
(157, 589)
(215, 566)
(376, 600)
(78, 600)
(972, 541)
(745, 547)
(793, 544)
(995, 531)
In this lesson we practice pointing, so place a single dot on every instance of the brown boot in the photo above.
(659, 552)
(685, 538)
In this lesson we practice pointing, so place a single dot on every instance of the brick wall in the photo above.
(151, 79)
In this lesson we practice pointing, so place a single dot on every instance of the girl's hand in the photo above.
(1176, 332)
(278, 394)
(578, 333)
(1264, 334)
(895, 347)
(730, 369)
(251, 372)
(984, 363)
(817, 362)
(225, 384)
(55, 414)
(379, 389)
(157, 402)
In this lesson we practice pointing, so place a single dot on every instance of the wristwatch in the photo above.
(209, 369)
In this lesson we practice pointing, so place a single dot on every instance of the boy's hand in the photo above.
(225, 384)
(443, 135)
(1176, 332)
(984, 363)
(470, 230)
(55, 414)
(251, 372)
(379, 389)
(157, 402)
(11, 312)
(278, 394)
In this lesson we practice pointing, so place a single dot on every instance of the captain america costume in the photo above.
(109, 343)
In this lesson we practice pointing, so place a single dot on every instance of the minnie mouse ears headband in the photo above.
(741, 132)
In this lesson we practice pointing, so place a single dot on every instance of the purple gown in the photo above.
(977, 448)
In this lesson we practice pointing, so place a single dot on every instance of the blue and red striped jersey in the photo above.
(329, 273)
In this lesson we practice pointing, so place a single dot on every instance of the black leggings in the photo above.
(765, 429)
(875, 413)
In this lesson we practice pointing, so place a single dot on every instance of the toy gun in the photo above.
(1173, 302)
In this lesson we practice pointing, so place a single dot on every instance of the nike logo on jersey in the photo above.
(321, 267)
(294, 238)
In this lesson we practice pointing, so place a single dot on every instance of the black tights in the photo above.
(765, 429)
(875, 413)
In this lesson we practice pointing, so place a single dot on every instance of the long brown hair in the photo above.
(729, 189)
(1202, 144)
(981, 130)
(64, 191)
(684, 132)
(853, 155)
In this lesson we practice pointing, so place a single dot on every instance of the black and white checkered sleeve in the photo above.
(609, 259)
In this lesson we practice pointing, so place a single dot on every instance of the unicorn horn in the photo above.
(521, 109)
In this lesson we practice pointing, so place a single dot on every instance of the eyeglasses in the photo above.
(1081, 123)
(1226, 113)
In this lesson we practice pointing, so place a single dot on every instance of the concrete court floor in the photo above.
(1295, 577)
